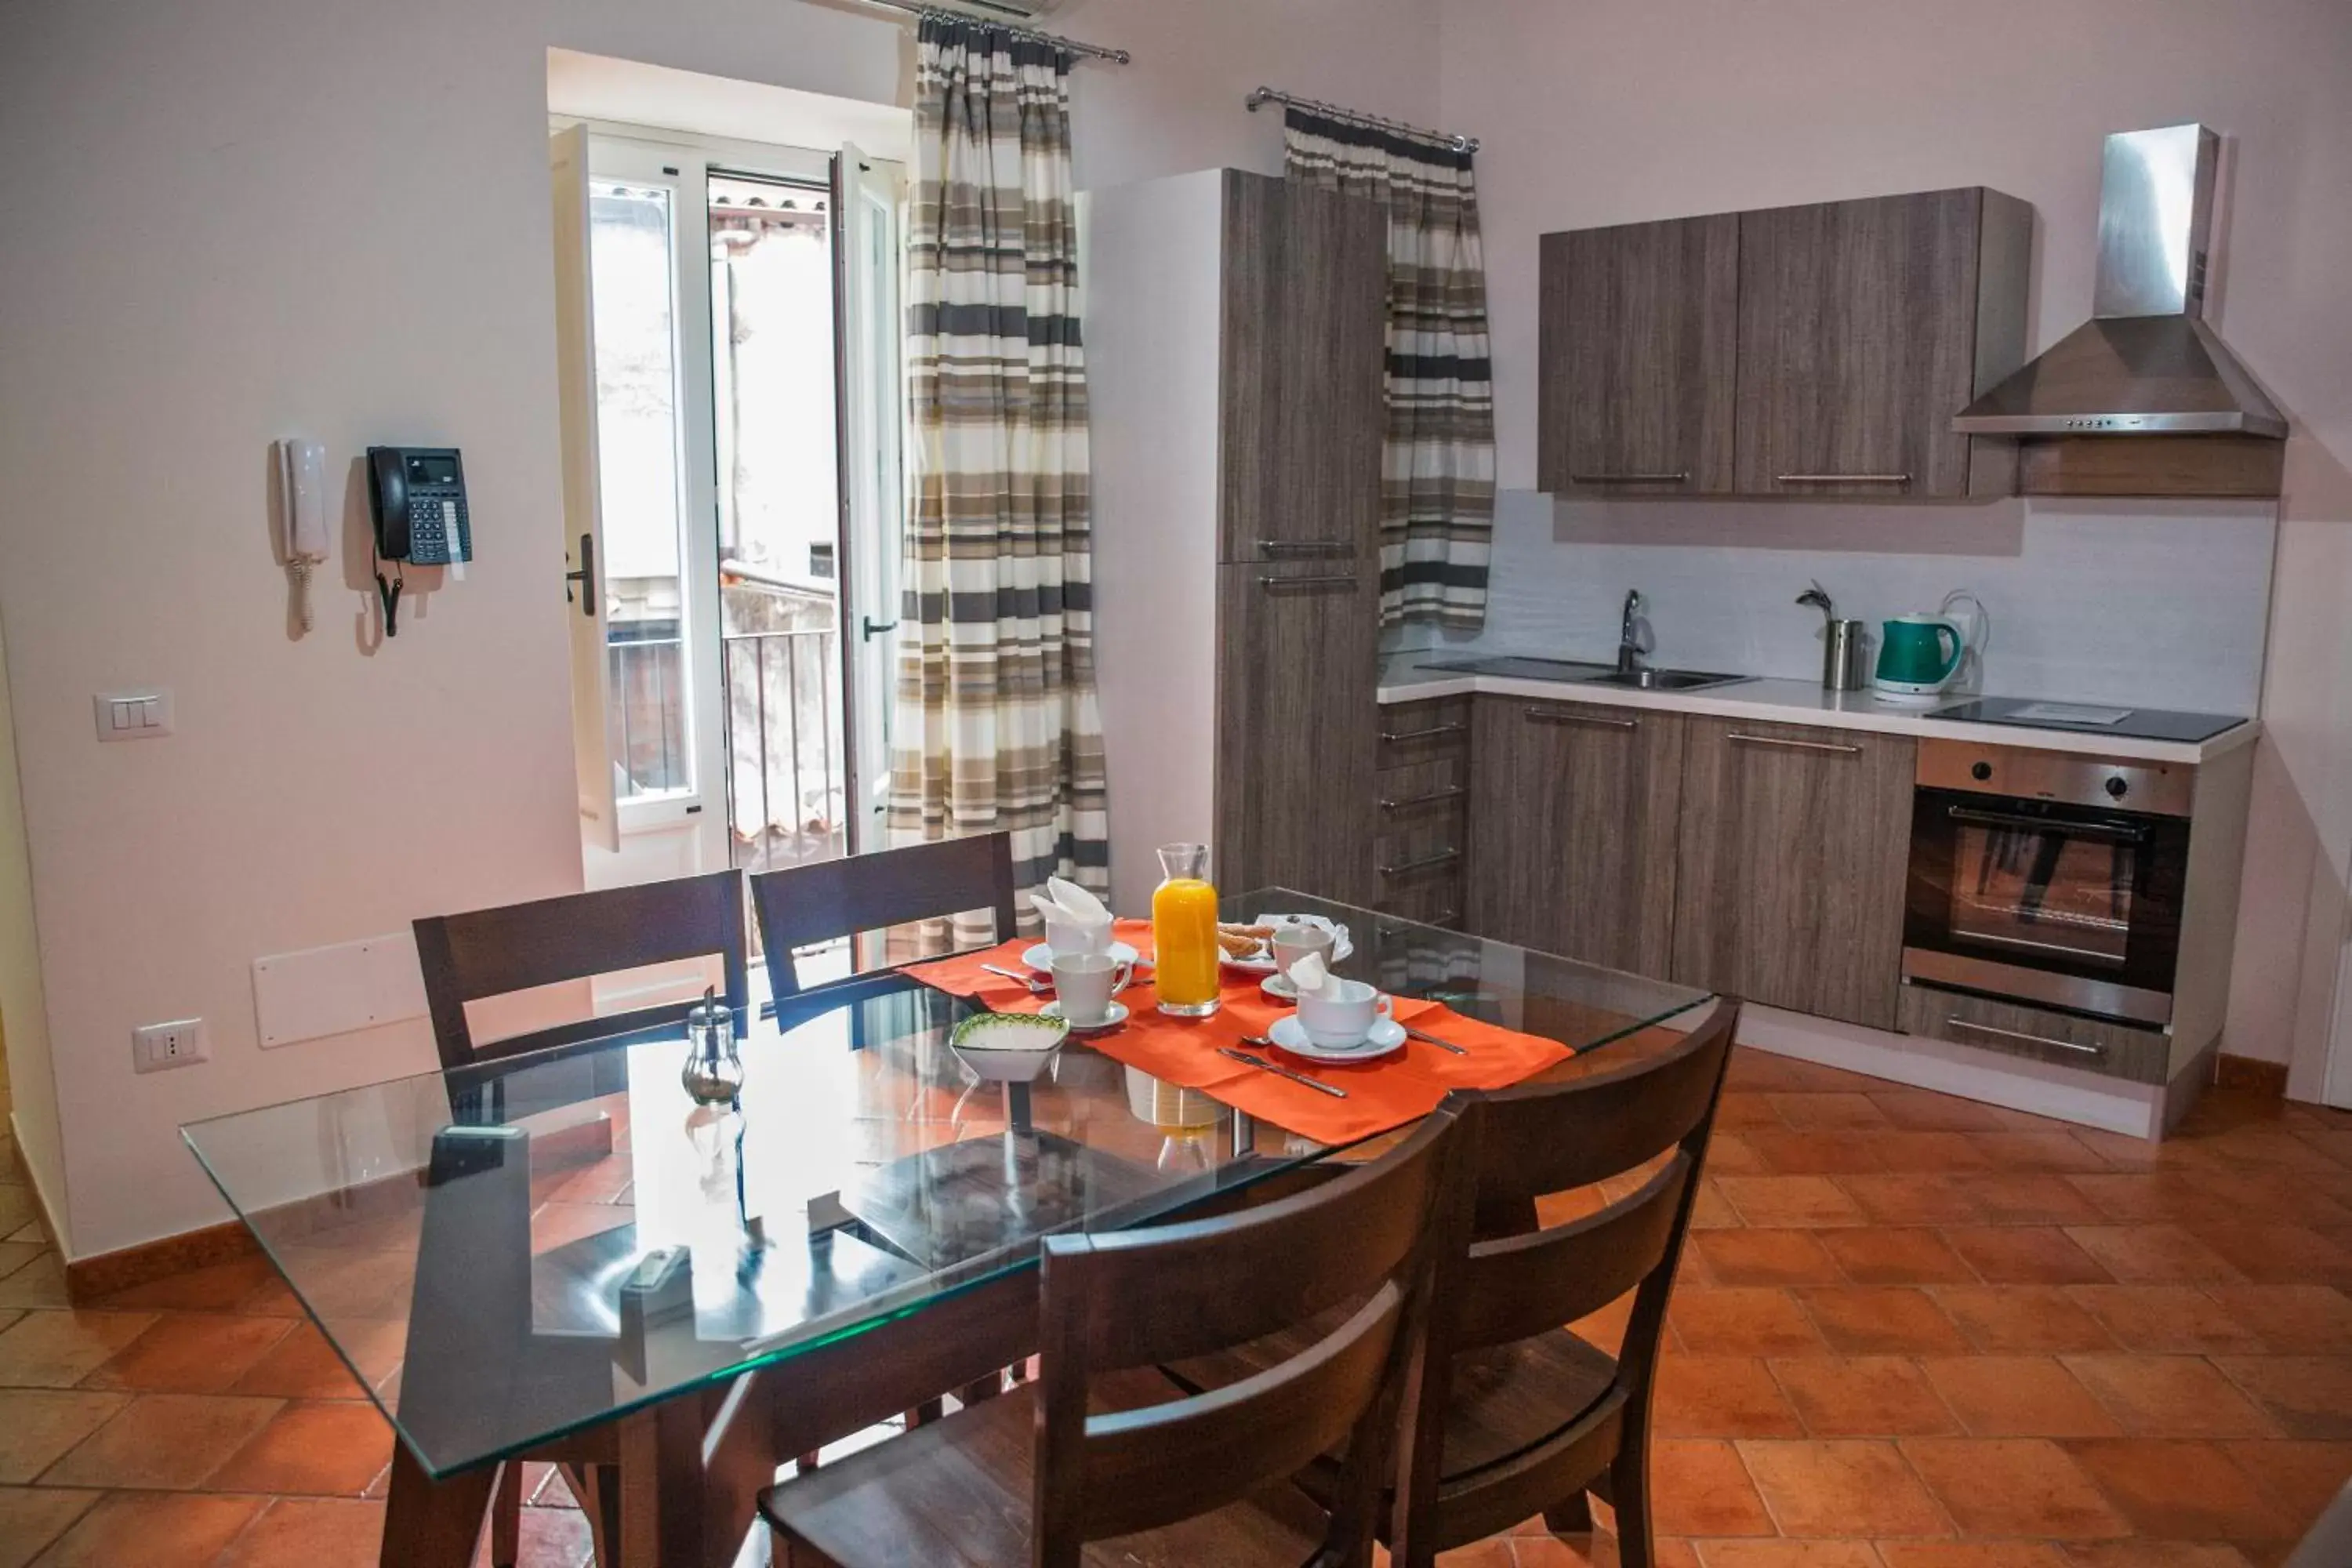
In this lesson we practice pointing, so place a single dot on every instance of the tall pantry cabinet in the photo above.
(1235, 342)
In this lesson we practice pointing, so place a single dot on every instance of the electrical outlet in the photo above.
(179, 1043)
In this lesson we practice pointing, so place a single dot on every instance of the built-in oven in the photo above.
(2047, 878)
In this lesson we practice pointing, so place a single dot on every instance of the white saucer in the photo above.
(1279, 987)
(1387, 1036)
(1112, 1019)
(1263, 964)
(1041, 957)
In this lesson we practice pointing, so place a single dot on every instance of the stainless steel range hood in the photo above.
(2146, 362)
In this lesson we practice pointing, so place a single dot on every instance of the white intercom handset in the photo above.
(302, 492)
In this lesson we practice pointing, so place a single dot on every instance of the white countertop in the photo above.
(1804, 702)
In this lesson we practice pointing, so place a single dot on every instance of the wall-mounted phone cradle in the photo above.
(417, 495)
(302, 515)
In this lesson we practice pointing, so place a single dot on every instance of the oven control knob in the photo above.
(2118, 788)
(1979, 770)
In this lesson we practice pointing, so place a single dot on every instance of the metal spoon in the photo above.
(1252, 1059)
(1037, 987)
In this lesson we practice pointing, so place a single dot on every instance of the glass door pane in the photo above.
(772, 374)
(650, 723)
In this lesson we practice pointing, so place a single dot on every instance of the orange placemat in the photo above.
(1382, 1095)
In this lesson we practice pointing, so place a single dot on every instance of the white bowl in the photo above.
(1009, 1048)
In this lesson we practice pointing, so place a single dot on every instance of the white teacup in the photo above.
(1085, 984)
(1293, 942)
(1064, 937)
(1343, 1013)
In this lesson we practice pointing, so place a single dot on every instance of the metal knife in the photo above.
(1433, 1041)
(1252, 1059)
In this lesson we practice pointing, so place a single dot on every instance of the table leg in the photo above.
(429, 1523)
(661, 1487)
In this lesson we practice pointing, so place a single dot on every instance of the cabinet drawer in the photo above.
(1432, 843)
(1414, 791)
(1414, 732)
(2143, 1056)
(1430, 901)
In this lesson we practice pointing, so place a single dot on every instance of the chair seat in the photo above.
(1507, 1398)
(958, 1491)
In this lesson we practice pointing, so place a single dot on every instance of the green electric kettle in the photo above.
(1918, 657)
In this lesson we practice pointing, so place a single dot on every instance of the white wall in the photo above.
(1616, 110)
(229, 220)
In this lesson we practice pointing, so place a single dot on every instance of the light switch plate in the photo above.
(133, 715)
(182, 1042)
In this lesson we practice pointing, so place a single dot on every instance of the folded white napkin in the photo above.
(1311, 977)
(1064, 902)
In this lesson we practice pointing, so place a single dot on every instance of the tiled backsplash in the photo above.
(2156, 602)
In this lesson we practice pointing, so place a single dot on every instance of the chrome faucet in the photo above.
(1629, 645)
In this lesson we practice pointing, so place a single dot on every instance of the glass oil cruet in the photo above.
(1184, 933)
(713, 1074)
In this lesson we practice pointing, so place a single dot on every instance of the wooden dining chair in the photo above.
(496, 953)
(1517, 1415)
(826, 900)
(1102, 1447)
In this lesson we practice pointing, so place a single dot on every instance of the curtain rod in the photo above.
(1075, 46)
(1443, 138)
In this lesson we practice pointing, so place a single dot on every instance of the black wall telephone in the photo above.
(418, 496)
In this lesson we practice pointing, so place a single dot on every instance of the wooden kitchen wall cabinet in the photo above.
(1789, 878)
(1574, 808)
(1639, 328)
(1806, 351)
(1863, 327)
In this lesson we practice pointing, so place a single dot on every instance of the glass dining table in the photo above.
(562, 1256)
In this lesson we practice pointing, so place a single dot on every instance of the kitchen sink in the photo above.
(1662, 680)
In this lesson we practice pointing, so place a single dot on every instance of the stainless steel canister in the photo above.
(1845, 664)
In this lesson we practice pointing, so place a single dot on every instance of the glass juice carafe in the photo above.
(1184, 933)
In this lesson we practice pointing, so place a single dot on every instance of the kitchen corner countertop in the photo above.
(1802, 702)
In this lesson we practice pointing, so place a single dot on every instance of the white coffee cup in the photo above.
(1342, 1014)
(1085, 984)
(1065, 937)
(1293, 942)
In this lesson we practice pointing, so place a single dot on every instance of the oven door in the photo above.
(2063, 905)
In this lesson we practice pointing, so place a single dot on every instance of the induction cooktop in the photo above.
(2089, 718)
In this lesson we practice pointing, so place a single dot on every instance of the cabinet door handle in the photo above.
(1955, 1022)
(1323, 580)
(1397, 928)
(1739, 738)
(1843, 479)
(1393, 736)
(1443, 858)
(1457, 793)
(1589, 720)
(1307, 546)
(1675, 479)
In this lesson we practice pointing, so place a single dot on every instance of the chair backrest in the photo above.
(1529, 1141)
(494, 952)
(1360, 1246)
(828, 898)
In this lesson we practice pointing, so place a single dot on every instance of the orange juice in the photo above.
(1184, 933)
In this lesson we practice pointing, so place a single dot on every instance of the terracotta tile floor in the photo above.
(1912, 1332)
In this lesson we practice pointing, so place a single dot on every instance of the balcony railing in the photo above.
(785, 747)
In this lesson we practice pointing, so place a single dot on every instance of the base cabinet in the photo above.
(2014, 1029)
(1790, 877)
(1574, 809)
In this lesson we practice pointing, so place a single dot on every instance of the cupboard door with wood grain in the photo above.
(1304, 366)
(1298, 727)
(1857, 344)
(1574, 807)
(1636, 385)
(1789, 885)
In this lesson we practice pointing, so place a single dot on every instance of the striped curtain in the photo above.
(997, 723)
(1437, 487)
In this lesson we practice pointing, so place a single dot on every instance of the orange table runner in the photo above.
(1382, 1094)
